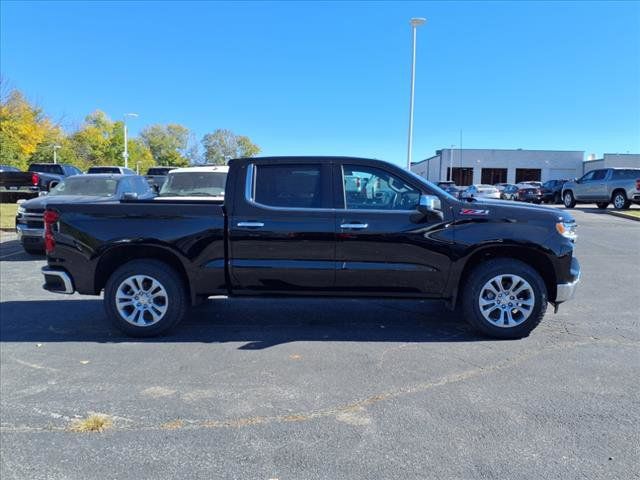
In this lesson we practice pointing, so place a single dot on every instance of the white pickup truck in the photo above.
(620, 186)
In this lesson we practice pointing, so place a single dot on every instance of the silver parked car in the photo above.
(481, 191)
(620, 186)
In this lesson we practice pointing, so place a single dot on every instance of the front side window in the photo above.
(369, 188)
(289, 186)
(599, 175)
(588, 176)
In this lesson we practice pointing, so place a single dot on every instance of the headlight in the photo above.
(21, 211)
(567, 230)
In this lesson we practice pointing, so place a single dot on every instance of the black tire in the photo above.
(602, 205)
(568, 199)
(51, 185)
(474, 287)
(620, 200)
(175, 308)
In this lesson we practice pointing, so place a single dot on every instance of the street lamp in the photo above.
(451, 163)
(55, 155)
(125, 154)
(415, 23)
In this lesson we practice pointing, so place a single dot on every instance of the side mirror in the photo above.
(127, 196)
(430, 205)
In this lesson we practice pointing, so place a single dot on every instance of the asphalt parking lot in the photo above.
(340, 389)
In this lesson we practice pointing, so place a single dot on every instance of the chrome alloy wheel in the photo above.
(618, 201)
(141, 300)
(506, 300)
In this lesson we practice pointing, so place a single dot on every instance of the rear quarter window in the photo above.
(625, 174)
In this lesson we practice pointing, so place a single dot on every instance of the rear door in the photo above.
(381, 249)
(282, 229)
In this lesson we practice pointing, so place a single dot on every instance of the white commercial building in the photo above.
(611, 160)
(472, 166)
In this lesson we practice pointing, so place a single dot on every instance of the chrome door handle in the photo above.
(355, 226)
(251, 224)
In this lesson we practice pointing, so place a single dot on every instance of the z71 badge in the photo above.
(473, 211)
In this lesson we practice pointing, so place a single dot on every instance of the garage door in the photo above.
(562, 174)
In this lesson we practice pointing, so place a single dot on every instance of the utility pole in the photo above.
(415, 23)
(125, 154)
(55, 154)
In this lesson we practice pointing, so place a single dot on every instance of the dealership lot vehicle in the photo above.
(195, 183)
(552, 191)
(156, 176)
(318, 388)
(287, 227)
(529, 193)
(480, 191)
(90, 188)
(51, 174)
(114, 169)
(509, 192)
(620, 186)
(15, 184)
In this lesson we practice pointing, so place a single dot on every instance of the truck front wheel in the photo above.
(569, 200)
(144, 298)
(504, 298)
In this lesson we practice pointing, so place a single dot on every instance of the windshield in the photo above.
(99, 187)
(191, 184)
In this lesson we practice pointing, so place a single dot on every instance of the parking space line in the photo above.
(10, 254)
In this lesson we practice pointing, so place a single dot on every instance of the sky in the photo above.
(332, 78)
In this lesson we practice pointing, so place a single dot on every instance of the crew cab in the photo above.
(315, 226)
(620, 186)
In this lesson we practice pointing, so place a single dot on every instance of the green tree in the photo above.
(167, 143)
(222, 145)
(23, 128)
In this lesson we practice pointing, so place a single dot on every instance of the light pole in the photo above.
(415, 23)
(125, 154)
(55, 154)
(451, 163)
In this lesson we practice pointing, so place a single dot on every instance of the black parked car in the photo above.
(552, 191)
(98, 188)
(529, 192)
(156, 176)
(315, 226)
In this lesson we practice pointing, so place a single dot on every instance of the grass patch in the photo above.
(8, 215)
(93, 423)
(633, 213)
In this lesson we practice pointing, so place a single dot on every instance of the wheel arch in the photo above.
(117, 256)
(534, 258)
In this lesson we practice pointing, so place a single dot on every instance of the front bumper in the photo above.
(57, 281)
(565, 291)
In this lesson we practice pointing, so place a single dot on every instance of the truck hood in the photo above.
(517, 209)
(42, 202)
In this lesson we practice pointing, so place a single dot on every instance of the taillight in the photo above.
(637, 183)
(50, 218)
(35, 179)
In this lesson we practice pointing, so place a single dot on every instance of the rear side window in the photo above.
(625, 174)
(289, 186)
(47, 168)
(103, 170)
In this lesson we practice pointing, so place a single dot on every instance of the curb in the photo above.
(624, 215)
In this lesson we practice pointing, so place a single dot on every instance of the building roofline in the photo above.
(425, 160)
(516, 150)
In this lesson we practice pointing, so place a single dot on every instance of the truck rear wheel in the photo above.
(144, 298)
(620, 201)
(504, 298)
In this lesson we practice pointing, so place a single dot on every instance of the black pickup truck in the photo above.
(330, 226)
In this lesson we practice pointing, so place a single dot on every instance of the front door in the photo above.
(382, 249)
(282, 230)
